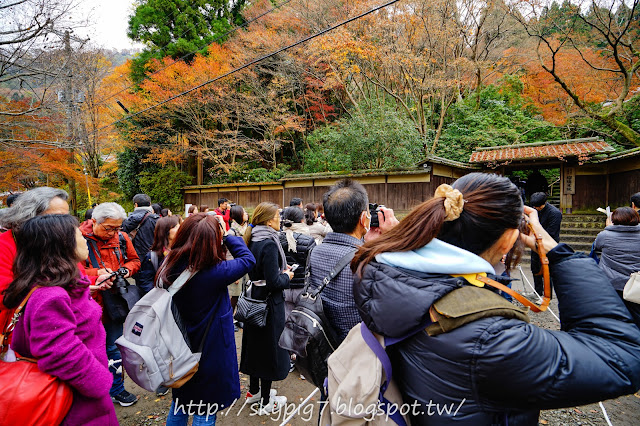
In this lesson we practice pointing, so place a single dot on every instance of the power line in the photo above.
(220, 37)
(251, 63)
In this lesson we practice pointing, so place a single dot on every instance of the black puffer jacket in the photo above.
(304, 244)
(502, 371)
(144, 237)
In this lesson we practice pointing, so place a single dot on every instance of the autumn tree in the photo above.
(602, 39)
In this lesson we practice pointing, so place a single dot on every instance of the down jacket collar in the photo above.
(394, 294)
(438, 257)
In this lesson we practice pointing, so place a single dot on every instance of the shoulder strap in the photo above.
(135, 231)
(307, 272)
(181, 281)
(342, 263)
(154, 259)
(6, 333)
(93, 250)
(372, 341)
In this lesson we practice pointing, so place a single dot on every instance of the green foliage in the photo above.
(251, 173)
(129, 168)
(374, 138)
(503, 118)
(177, 28)
(164, 186)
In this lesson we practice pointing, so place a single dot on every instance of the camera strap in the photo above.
(546, 298)
(94, 253)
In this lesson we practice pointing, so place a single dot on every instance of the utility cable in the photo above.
(251, 63)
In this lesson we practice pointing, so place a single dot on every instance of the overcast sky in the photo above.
(109, 19)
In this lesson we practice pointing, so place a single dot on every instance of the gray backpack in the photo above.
(155, 347)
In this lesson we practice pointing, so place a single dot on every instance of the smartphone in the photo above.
(294, 267)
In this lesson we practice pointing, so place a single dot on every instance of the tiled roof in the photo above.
(536, 151)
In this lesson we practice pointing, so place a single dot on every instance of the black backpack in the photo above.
(307, 332)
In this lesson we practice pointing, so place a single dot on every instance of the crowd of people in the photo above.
(504, 368)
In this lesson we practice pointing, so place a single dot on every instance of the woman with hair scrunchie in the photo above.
(501, 369)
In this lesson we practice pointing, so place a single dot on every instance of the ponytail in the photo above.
(471, 214)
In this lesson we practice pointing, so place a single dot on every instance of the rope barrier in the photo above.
(297, 410)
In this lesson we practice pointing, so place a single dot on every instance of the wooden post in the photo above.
(606, 197)
(200, 172)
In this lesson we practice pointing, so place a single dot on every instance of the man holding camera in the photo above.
(224, 211)
(112, 252)
(347, 209)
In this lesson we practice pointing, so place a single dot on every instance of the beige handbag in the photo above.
(631, 291)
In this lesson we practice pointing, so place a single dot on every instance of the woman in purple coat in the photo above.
(205, 310)
(61, 326)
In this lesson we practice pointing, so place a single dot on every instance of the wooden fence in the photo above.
(400, 190)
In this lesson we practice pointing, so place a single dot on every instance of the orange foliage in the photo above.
(592, 86)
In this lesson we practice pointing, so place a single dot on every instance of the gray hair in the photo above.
(29, 204)
(106, 211)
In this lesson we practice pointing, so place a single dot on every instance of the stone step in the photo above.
(577, 239)
(586, 225)
(579, 231)
(571, 218)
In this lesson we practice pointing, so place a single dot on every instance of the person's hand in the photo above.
(609, 222)
(128, 274)
(386, 221)
(104, 282)
(104, 271)
(548, 243)
(289, 274)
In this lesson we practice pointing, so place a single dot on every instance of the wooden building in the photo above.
(591, 175)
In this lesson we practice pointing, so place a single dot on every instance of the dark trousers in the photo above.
(114, 331)
(257, 384)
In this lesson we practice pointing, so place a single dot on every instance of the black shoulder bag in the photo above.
(115, 304)
(307, 332)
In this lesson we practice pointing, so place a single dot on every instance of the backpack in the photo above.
(155, 347)
(360, 385)
(307, 332)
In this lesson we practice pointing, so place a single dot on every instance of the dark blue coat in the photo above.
(145, 278)
(502, 371)
(205, 295)
(144, 236)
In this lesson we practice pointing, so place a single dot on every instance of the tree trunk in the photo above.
(616, 125)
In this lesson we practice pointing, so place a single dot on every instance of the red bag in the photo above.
(28, 396)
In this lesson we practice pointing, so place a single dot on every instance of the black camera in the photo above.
(120, 282)
(373, 211)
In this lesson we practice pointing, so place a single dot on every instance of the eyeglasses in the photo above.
(110, 229)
